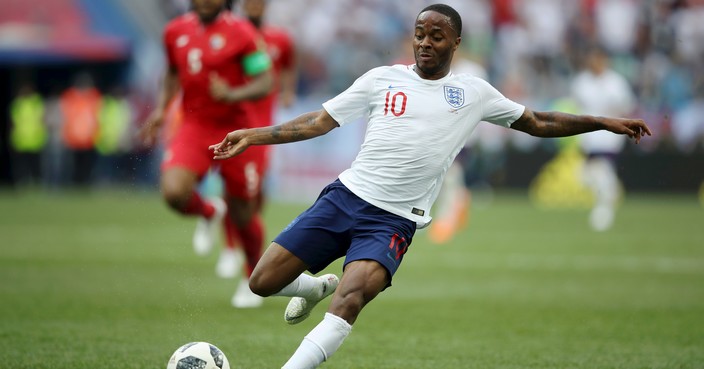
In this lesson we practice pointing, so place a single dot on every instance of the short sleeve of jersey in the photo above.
(496, 108)
(353, 103)
(254, 60)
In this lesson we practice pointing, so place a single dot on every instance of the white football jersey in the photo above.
(415, 129)
(607, 94)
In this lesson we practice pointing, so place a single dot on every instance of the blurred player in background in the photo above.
(600, 91)
(218, 62)
(419, 117)
(281, 51)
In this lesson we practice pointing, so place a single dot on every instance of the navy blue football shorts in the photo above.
(341, 224)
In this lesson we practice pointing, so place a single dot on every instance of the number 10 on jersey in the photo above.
(395, 110)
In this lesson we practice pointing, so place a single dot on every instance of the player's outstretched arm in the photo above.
(556, 124)
(304, 127)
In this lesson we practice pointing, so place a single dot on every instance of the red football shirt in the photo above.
(197, 50)
(281, 50)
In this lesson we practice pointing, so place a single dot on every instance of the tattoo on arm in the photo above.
(303, 127)
(556, 124)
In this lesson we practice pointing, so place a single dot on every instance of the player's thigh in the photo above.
(243, 174)
(381, 236)
(185, 161)
(320, 235)
(178, 182)
(276, 269)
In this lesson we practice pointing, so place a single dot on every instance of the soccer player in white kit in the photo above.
(599, 90)
(419, 117)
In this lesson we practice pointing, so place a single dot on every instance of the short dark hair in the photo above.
(448, 11)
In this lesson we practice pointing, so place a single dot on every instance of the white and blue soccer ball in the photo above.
(198, 355)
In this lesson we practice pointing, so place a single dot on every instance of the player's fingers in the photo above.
(217, 91)
(629, 132)
(225, 154)
(640, 132)
(221, 147)
(216, 85)
(218, 149)
(646, 129)
(642, 128)
(232, 150)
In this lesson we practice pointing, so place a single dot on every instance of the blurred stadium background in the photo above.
(531, 50)
(97, 273)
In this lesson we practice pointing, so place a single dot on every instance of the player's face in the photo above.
(434, 44)
(254, 8)
(597, 62)
(208, 10)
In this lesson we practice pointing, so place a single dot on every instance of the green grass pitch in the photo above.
(109, 280)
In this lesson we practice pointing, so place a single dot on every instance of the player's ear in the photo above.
(458, 40)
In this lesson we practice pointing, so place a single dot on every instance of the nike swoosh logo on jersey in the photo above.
(391, 87)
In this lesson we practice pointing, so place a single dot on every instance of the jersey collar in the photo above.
(412, 70)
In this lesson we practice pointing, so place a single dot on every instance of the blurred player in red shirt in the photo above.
(218, 62)
(281, 50)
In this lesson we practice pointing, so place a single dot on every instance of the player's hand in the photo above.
(150, 130)
(234, 143)
(633, 128)
(219, 89)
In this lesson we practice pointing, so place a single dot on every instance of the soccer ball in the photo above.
(198, 355)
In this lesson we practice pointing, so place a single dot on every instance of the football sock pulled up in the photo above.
(305, 286)
(320, 343)
(197, 206)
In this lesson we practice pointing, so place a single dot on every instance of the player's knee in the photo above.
(260, 285)
(174, 194)
(348, 305)
(174, 198)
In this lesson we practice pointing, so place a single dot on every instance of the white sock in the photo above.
(601, 177)
(305, 286)
(320, 343)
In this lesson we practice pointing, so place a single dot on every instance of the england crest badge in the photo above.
(454, 96)
(217, 41)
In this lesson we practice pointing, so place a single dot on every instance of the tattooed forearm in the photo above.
(301, 128)
(561, 124)
(556, 124)
(287, 133)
